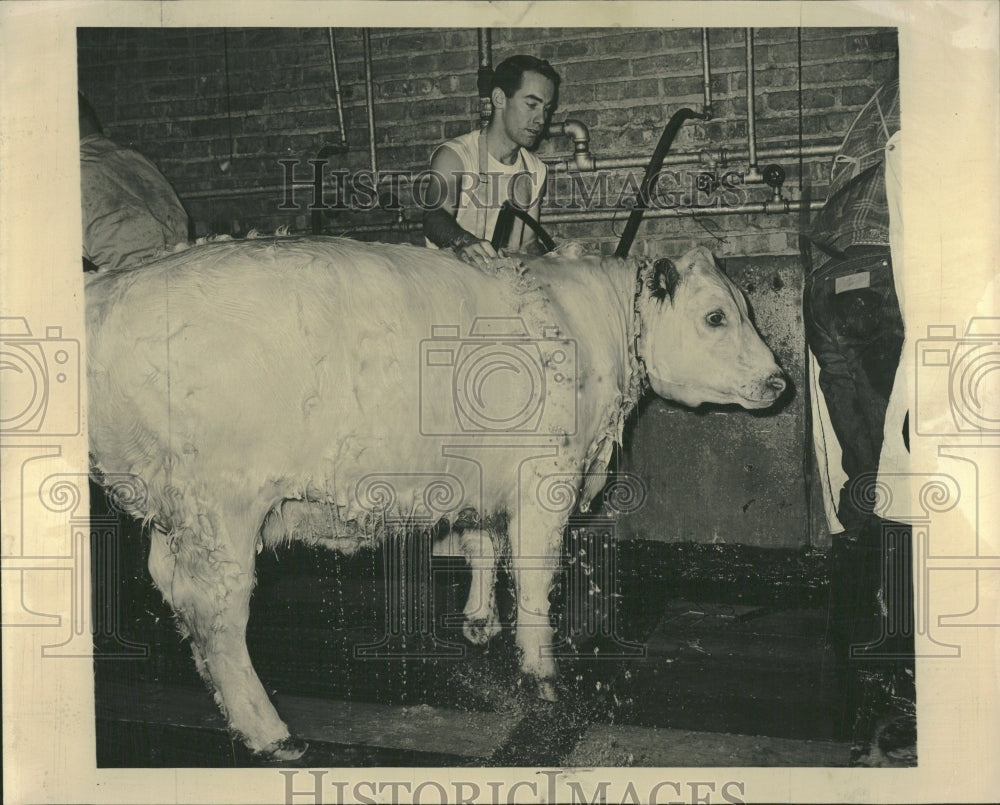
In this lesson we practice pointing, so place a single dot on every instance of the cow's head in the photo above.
(697, 340)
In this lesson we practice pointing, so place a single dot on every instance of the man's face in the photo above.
(527, 110)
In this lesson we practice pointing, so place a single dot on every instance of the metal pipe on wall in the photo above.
(484, 42)
(484, 76)
(753, 174)
(755, 208)
(336, 89)
(366, 42)
(582, 159)
(706, 75)
(706, 157)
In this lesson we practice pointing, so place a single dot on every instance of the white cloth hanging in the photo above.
(894, 461)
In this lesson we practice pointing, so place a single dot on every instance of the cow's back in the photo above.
(289, 359)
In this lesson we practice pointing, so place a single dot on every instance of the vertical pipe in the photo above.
(225, 166)
(706, 74)
(336, 89)
(485, 42)
(799, 81)
(485, 75)
(752, 174)
(805, 197)
(484, 78)
(366, 41)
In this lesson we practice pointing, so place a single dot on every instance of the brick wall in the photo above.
(216, 109)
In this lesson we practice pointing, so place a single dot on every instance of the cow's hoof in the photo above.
(479, 631)
(547, 690)
(287, 749)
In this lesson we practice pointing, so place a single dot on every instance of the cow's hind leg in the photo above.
(481, 620)
(207, 576)
(162, 562)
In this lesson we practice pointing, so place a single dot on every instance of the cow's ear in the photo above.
(664, 281)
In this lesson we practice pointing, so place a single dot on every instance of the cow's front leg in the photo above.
(536, 541)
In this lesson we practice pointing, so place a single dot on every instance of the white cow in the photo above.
(327, 390)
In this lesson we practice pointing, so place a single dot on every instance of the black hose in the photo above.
(503, 227)
(652, 170)
(505, 224)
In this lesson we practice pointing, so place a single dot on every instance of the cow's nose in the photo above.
(777, 383)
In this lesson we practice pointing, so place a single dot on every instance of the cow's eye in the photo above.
(716, 318)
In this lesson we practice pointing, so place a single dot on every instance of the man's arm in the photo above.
(440, 204)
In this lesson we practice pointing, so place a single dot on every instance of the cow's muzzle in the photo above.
(768, 392)
(777, 383)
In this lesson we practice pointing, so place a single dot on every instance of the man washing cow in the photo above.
(336, 365)
(472, 175)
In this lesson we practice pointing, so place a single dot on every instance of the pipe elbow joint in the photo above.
(582, 159)
(577, 130)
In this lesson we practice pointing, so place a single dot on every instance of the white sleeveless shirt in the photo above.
(521, 183)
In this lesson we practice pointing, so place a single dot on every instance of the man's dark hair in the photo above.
(90, 123)
(510, 72)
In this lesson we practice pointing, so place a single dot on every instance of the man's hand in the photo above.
(475, 252)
